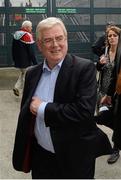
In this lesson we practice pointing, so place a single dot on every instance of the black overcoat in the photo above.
(116, 101)
(70, 117)
(23, 54)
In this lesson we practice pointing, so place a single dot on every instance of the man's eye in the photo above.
(59, 38)
(47, 40)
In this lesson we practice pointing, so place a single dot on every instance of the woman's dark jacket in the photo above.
(117, 98)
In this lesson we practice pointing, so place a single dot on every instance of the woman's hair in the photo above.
(116, 29)
(47, 24)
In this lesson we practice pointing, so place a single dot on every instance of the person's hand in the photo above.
(34, 105)
(103, 59)
(106, 100)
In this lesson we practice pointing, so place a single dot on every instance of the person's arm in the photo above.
(112, 85)
(99, 66)
(27, 38)
(31, 52)
(102, 61)
(107, 99)
(98, 47)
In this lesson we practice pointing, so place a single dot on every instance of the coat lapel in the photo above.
(63, 75)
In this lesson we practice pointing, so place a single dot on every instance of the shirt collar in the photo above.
(45, 66)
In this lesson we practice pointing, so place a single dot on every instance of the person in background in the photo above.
(56, 136)
(23, 53)
(98, 47)
(114, 90)
(105, 66)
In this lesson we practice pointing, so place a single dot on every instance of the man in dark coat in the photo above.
(23, 53)
(56, 136)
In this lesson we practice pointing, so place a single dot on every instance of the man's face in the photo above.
(53, 45)
(29, 28)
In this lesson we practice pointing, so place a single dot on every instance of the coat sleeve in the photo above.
(98, 47)
(31, 53)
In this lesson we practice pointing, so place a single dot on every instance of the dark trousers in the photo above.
(106, 118)
(46, 166)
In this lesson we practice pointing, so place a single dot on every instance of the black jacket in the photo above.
(70, 116)
(23, 53)
(98, 47)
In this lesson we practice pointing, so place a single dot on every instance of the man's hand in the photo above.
(35, 103)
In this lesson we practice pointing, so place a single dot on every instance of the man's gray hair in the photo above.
(49, 23)
(26, 24)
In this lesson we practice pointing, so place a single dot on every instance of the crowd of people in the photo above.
(57, 136)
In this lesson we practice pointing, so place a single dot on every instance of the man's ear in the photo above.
(39, 44)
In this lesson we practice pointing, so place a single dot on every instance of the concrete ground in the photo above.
(9, 109)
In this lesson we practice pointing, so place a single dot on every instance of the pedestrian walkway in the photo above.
(9, 109)
(8, 77)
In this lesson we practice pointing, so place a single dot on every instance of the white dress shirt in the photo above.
(45, 91)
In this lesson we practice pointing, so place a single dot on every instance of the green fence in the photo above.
(85, 21)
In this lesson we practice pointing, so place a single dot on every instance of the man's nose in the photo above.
(55, 42)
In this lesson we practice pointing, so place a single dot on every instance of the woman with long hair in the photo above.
(114, 90)
(106, 66)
